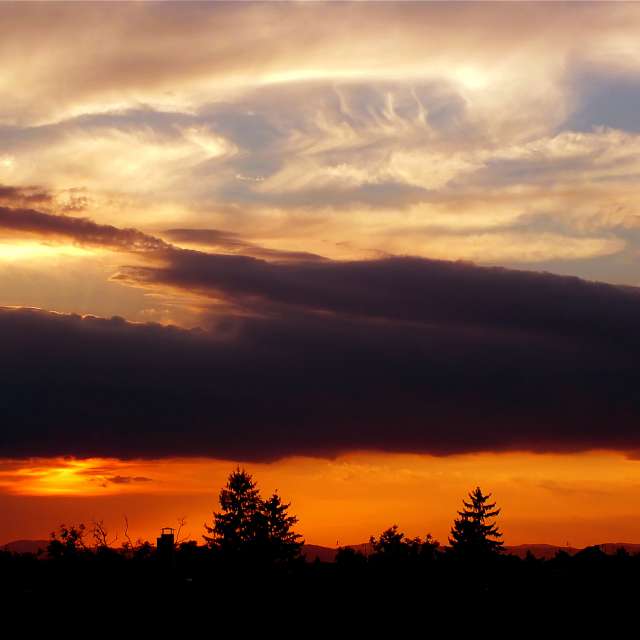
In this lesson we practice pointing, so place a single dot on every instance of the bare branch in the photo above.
(101, 535)
(181, 524)
(129, 543)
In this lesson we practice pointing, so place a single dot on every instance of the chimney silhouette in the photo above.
(165, 545)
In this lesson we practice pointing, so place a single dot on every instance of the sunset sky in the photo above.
(377, 253)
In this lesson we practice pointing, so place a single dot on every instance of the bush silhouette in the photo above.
(393, 547)
(67, 543)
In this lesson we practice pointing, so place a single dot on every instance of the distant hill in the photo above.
(612, 547)
(26, 546)
(546, 551)
(549, 550)
(328, 554)
(313, 552)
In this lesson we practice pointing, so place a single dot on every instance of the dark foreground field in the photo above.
(193, 574)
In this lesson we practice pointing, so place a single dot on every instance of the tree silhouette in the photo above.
(101, 536)
(390, 543)
(394, 546)
(350, 559)
(237, 525)
(283, 543)
(68, 542)
(472, 535)
(249, 527)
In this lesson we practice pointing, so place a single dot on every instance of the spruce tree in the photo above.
(249, 528)
(472, 535)
(283, 543)
(236, 527)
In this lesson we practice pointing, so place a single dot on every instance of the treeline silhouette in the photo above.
(251, 550)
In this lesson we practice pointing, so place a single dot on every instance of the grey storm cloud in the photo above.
(397, 354)
(308, 384)
(408, 290)
(319, 357)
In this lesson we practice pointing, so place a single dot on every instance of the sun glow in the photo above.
(545, 497)
(13, 251)
(69, 477)
(471, 77)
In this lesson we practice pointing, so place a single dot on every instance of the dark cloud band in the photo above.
(417, 290)
(80, 230)
(320, 357)
(305, 385)
(12, 195)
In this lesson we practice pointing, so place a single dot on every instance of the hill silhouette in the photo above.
(538, 550)
(313, 552)
(26, 546)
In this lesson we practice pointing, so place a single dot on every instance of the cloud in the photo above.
(80, 230)
(127, 479)
(21, 196)
(568, 158)
(49, 227)
(406, 289)
(352, 160)
(572, 490)
(225, 241)
(366, 161)
(329, 128)
(605, 95)
(296, 144)
(65, 201)
(305, 131)
(121, 62)
(393, 355)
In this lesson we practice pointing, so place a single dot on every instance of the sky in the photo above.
(376, 253)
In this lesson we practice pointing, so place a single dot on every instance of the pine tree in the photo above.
(472, 535)
(250, 528)
(237, 526)
(283, 543)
